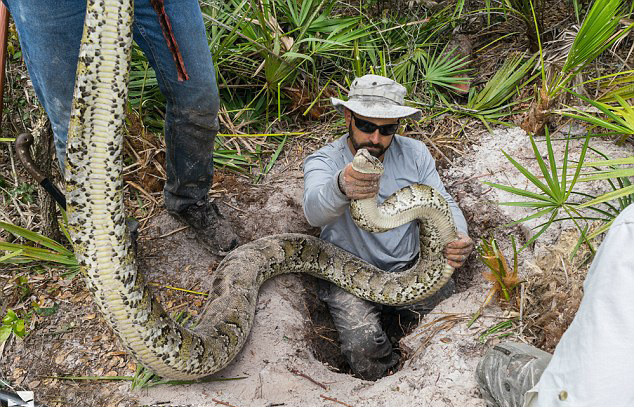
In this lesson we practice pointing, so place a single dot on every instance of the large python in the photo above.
(98, 231)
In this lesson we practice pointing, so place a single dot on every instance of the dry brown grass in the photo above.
(554, 290)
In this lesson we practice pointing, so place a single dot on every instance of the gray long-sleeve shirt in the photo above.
(406, 162)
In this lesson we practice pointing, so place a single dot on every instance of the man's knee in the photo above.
(368, 351)
(348, 311)
(200, 111)
(367, 340)
(364, 344)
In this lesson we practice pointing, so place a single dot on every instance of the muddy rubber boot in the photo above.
(507, 371)
(212, 229)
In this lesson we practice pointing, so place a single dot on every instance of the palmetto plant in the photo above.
(611, 203)
(552, 197)
(445, 69)
(557, 197)
(599, 30)
(436, 71)
(50, 250)
(493, 101)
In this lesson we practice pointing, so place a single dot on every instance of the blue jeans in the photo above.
(50, 34)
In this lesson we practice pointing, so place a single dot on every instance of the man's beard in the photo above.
(376, 150)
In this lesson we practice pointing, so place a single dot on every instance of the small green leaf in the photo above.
(5, 332)
(9, 318)
(609, 196)
(18, 328)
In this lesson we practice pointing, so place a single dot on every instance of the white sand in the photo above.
(440, 373)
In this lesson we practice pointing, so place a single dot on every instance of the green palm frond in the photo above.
(596, 34)
(598, 31)
(445, 69)
(618, 119)
(503, 84)
(553, 193)
(51, 251)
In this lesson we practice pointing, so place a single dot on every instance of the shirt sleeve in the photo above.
(429, 176)
(323, 201)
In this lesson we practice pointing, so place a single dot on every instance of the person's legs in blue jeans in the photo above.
(191, 121)
(50, 35)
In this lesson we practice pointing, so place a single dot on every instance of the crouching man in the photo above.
(372, 115)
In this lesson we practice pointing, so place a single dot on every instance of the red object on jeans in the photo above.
(159, 7)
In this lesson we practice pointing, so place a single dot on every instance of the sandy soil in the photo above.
(277, 366)
(443, 351)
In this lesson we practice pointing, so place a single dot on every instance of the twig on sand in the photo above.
(444, 323)
(234, 207)
(222, 402)
(172, 232)
(462, 181)
(335, 400)
(298, 373)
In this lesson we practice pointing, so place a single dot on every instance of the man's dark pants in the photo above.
(363, 340)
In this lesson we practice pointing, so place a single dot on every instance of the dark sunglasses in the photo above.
(369, 127)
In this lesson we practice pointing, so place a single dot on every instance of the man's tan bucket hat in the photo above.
(378, 97)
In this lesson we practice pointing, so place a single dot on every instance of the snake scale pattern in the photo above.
(97, 227)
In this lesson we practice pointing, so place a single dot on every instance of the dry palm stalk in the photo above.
(505, 280)
(538, 114)
(554, 290)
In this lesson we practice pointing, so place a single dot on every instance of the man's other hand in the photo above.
(357, 185)
(457, 251)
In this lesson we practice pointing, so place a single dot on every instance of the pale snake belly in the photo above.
(97, 227)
